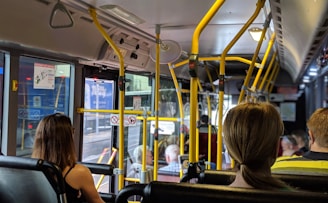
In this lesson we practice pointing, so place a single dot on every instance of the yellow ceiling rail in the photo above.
(218, 58)
(273, 59)
(266, 55)
(259, 5)
(251, 67)
(121, 84)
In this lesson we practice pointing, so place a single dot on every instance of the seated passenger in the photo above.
(302, 140)
(288, 145)
(136, 167)
(54, 143)
(203, 141)
(314, 161)
(171, 156)
(251, 133)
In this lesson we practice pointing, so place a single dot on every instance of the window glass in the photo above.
(97, 130)
(43, 89)
(137, 92)
(1, 88)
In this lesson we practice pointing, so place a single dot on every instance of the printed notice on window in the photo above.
(44, 76)
(288, 111)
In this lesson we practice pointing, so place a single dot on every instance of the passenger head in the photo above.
(172, 153)
(318, 129)
(252, 133)
(204, 119)
(301, 138)
(137, 153)
(288, 145)
(54, 140)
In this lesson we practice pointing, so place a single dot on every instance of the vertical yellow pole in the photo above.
(144, 151)
(177, 88)
(259, 5)
(193, 60)
(157, 86)
(121, 84)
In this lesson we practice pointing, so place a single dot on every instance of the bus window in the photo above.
(97, 131)
(1, 89)
(43, 89)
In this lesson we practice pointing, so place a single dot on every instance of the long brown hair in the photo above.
(251, 133)
(54, 140)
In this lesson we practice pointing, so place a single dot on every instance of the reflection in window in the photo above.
(43, 89)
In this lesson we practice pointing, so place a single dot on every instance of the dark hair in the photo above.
(54, 140)
(204, 119)
(290, 139)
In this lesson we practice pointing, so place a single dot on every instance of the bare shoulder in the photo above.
(81, 168)
(79, 172)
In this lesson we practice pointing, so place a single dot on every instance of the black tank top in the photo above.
(72, 193)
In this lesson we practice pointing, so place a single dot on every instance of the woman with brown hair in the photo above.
(53, 142)
(251, 133)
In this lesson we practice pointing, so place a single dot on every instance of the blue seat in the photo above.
(30, 180)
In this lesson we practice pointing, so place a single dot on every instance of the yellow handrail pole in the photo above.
(217, 58)
(259, 5)
(137, 112)
(157, 86)
(144, 151)
(272, 74)
(251, 67)
(177, 88)
(265, 57)
(100, 158)
(198, 119)
(274, 79)
(193, 60)
(209, 125)
(273, 59)
(110, 161)
(121, 85)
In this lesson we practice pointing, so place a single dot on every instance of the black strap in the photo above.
(68, 171)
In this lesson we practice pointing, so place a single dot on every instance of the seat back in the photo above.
(303, 182)
(163, 192)
(30, 180)
(105, 170)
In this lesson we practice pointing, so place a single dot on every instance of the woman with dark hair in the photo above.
(53, 142)
(251, 134)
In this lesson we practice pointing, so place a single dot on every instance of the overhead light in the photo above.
(123, 14)
(306, 79)
(313, 73)
(255, 33)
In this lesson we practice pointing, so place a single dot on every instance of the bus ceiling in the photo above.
(300, 26)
